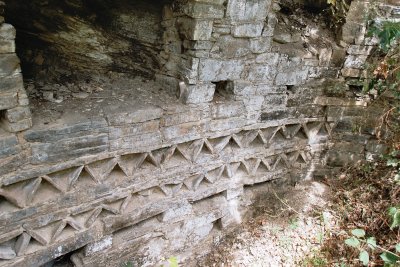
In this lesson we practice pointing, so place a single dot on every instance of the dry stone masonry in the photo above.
(243, 105)
(14, 103)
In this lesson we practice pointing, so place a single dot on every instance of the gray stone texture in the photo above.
(149, 179)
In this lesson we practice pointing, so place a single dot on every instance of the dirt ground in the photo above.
(288, 233)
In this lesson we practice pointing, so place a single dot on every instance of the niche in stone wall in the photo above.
(72, 48)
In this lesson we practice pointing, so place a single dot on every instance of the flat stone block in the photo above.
(359, 50)
(248, 29)
(8, 145)
(350, 72)
(267, 89)
(56, 133)
(241, 88)
(188, 115)
(18, 126)
(8, 100)
(278, 101)
(12, 84)
(7, 46)
(136, 142)
(259, 73)
(200, 10)
(260, 45)
(135, 129)
(292, 78)
(268, 58)
(253, 103)
(7, 32)
(227, 110)
(135, 116)
(213, 70)
(194, 29)
(226, 124)
(185, 131)
(244, 10)
(274, 115)
(232, 47)
(69, 148)
(9, 65)
(17, 114)
(355, 61)
(188, 69)
(196, 94)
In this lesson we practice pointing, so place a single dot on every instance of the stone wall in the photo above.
(14, 111)
(150, 180)
(355, 138)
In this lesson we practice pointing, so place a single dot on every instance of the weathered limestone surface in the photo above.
(14, 111)
(156, 180)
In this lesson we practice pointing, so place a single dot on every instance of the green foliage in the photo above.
(364, 257)
(358, 233)
(394, 213)
(293, 223)
(387, 32)
(127, 264)
(359, 241)
(389, 259)
(173, 262)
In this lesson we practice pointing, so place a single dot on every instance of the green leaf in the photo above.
(389, 258)
(371, 241)
(352, 242)
(398, 248)
(392, 211)
(364, 257)
(396, 220)
(173, 262)
(358, 232)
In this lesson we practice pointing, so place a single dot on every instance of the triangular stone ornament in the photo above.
(65, 179)
(261, 168)
(228, 171)
(149, 162)
(248, 137)
(21, 194)
(100, 170)
(175, 157)
(252, 164)
(269, 133)
(278, 137)
(130, 162)
(193, 182)
(279, 164)
(291, 130)
(219, 143)
(194, 149)
(240, 169)
(213, 175)
(171, 189)
(237, 140)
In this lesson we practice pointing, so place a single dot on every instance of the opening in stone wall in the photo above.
(77, 48)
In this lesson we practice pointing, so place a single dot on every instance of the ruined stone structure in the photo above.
(246, 101)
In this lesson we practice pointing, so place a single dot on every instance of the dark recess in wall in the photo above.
(65, 41)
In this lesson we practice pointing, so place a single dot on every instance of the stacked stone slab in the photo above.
(143, 184)
(354, 35)
(355, 138)
(15, 113)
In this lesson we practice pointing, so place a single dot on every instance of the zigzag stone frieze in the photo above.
(193, 171)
